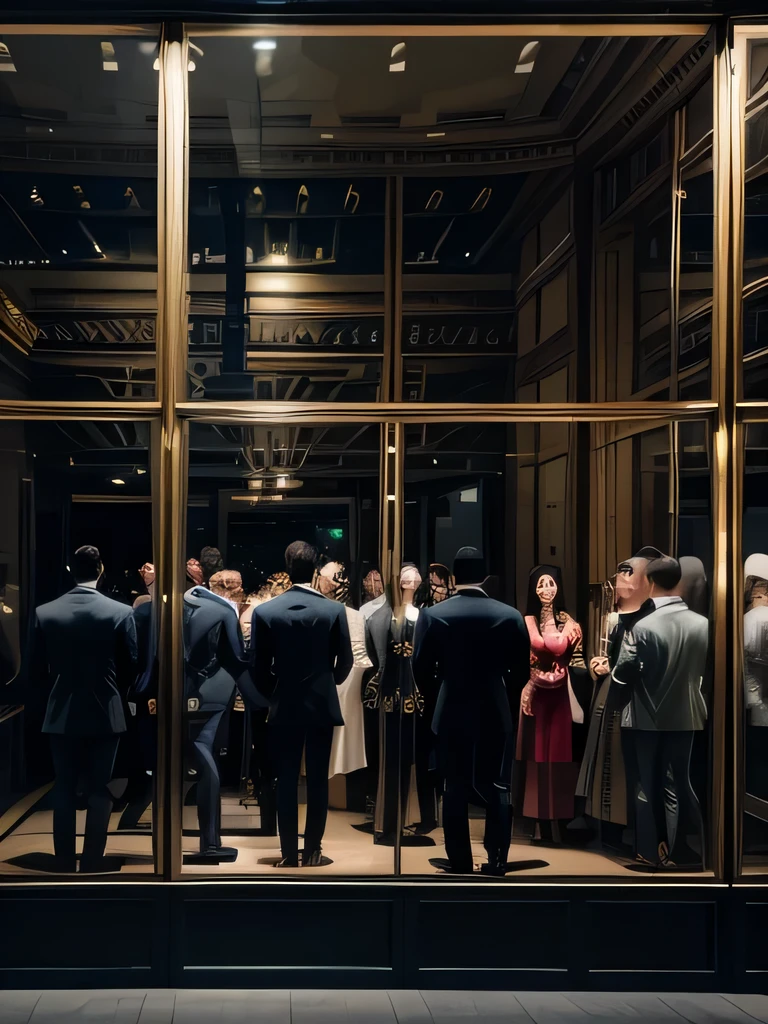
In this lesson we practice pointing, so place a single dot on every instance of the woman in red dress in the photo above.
(547, 773)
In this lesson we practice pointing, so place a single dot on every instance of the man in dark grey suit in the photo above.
(479, 652)
(661, 663)
(301, 641)
(87, 643)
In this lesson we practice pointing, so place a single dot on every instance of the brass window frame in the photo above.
(171, 413)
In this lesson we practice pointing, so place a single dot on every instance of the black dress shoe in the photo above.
(443, 864)
(314, 859)
(422, 828)
(288, 862)
(213, 855)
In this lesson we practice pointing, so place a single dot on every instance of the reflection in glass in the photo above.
(755, 836)
(77, 648)
(253, 492)
(78, 217)
(590, 761)
(755, 343)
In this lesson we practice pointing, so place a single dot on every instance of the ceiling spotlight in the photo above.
(65, 252)
(119, 482)
(108, 61)
(466, 255)
(51, 130)
(434, 462)
(397, 57)
(265, 44)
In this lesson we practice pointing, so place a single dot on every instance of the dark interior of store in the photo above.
(539, 216)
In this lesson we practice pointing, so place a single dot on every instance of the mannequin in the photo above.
(662, 663)
(400, 702)
(348, 749)
(548, 706)
(756, 672)
(377, 615)
(603, 776)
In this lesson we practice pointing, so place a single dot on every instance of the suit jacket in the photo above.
(87, 644)
(662, 663)
(302, 640)
(214, 654)
(145, 684)
(478, 651)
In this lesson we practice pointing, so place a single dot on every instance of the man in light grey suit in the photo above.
(662, 663)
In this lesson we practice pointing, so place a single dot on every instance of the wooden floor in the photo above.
(188, 1006)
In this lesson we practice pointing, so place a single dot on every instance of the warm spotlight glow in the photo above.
(265, 44)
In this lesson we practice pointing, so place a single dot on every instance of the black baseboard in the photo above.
(384, 935)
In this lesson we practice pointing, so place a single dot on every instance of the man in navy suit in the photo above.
(87, 643)
(477, 650)
(300, 641)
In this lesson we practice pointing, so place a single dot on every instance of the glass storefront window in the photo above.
(78, 216)
(78, 657)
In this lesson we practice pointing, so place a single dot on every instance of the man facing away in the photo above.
(301, 639)
(87, 644)
(661, 665)
(478, 651)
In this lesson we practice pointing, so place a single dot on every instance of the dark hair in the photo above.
(86, 565)
(468, 566)
(211, 562)
(649, 552)
(533, 606)
(665, 572)
(301, 561)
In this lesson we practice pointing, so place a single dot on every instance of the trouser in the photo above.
(202, 734)
(139, 792)
(263, 771)
(483, 768)
(288, 743)
(665, 803)
(87, 760)
(426, 789)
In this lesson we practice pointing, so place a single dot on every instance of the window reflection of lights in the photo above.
(326, 136)
(435, 135)
(434, 200)
(353, 199)
(191, 66)
(97, 248)
(64, 251)
(156, 65)
(466, 255)
(118, 482)
(6, 61)
(482, 200)
(265, 44)
(146, 47)
(84, 204)
(108, 61)
(527, 57)
(140, 472)
(302, 200)
(131, 195)
(397, 57)
(35, 196)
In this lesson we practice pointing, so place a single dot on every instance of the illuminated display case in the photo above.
(461, 305)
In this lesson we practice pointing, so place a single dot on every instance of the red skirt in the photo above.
(547, 774)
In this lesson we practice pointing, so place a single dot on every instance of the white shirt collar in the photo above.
(90, 585)
(659, 602)
(225, 600)
(373, 606)
(306, 586)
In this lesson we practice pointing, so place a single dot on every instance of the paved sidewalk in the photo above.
(190, 1006)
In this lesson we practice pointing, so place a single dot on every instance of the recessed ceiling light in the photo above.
(65, 252)
(466, 254)
(435, 135)
(120, 483)
(265, 44)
